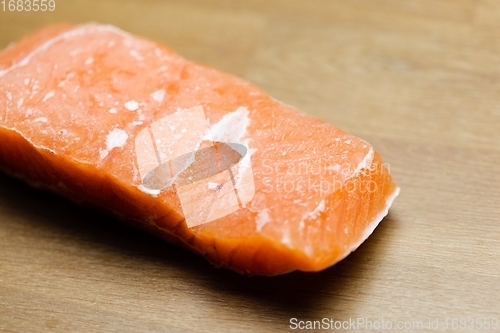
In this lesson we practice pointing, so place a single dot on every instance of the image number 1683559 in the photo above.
(28, 5)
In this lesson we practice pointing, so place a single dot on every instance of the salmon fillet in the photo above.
(201, 158)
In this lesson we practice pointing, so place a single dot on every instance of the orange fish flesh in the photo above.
(201, 158)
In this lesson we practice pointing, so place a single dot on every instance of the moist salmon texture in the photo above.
(201, 158)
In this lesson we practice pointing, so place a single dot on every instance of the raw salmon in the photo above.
(201, 158)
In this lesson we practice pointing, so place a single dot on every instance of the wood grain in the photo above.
(418, 79)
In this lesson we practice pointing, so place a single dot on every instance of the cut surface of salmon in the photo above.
(201, 158)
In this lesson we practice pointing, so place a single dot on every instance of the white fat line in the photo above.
(373, 224)
(365, 163)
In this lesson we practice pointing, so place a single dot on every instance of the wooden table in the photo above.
(418, 79)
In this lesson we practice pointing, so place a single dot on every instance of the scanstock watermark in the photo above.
(208, 167)
(321, 177)
(385, 324)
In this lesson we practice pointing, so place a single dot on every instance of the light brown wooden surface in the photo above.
(418, 79)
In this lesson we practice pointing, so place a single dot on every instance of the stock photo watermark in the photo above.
(319, 177)
(385, 324)
(209, 169)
